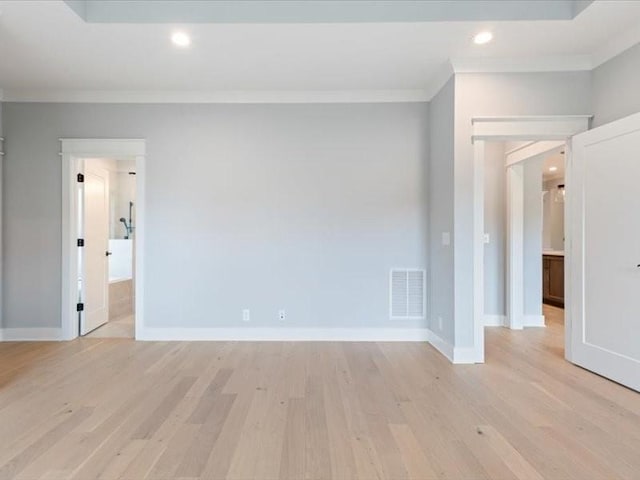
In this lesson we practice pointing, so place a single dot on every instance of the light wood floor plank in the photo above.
(118, 409)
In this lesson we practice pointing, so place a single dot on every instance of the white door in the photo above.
(603, 229)
(96, 261)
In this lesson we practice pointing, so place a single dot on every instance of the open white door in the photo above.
(96, 261)
(603, 230)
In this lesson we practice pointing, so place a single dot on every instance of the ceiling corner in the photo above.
(79, 7)
(578, 6)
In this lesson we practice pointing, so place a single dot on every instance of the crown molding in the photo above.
(616, 46)
(236, 96)
(569, 63)
(564, 63)
(439, 79)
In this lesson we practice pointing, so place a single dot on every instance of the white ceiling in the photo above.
(48, 52)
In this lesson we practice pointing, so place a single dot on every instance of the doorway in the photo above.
(107, 275)
(536, 235)
(103, 238)
(537, 134)
(554, 294)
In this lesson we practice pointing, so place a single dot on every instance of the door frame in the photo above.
(504, 129)
(515, 278)
(72, 152)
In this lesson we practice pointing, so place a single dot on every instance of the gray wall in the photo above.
(301, 207)
(532, 248)
(441, 211)
(495, 225)
(615, 87)
(487, 95)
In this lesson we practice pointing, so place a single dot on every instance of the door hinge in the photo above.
(81, 242)
(80, 307)
(80, 178)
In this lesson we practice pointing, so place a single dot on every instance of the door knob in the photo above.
(111, 253)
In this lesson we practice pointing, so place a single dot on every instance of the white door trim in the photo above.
(501, 129)
(516, 317)
(72, 151)
(1, 223)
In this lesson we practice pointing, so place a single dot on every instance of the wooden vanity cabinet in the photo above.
(553, 280)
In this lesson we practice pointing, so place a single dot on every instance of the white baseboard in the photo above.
(526, 321)
(440, 344)
(533, 321)
(495, 320)
(456, 355)
(284, 334)
(30, 334)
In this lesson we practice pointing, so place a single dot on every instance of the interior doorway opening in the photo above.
(103, 237)
(524, 245)
(536, 135)
(107, 222)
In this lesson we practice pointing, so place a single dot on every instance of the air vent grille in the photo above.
(407, 293)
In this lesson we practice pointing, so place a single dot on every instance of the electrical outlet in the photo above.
(487, 238)
(282, 315)
(246, 315)
(440, 323)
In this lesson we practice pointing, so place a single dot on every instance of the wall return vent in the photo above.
(407, 293)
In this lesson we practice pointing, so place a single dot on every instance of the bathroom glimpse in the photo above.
(122, 221)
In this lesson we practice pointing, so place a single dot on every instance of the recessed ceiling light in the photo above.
(482, 38)
(181, 39)
(553, 169)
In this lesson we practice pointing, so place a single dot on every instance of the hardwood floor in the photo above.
(114, 408)
(123, 327)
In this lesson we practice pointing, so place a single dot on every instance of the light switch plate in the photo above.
(446, 238)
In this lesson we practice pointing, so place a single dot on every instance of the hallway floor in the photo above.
(115, 408)
(123, 327)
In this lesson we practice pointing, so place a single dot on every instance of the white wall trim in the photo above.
(30, 334)
(534, 150)
(1, 227)
(495, 320)
(456, 355)
(479, 149)
(73, 150)
(275, 334)
(616, 46)
(562, 63)
(439, 80)
(218, 96)
(533, 321)
(114, 147)
(440, 344)
(536, 128)
(515, 246)
(466, 356)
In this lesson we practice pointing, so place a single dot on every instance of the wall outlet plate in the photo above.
(246, 315)
(282, 315)
(440, 323)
